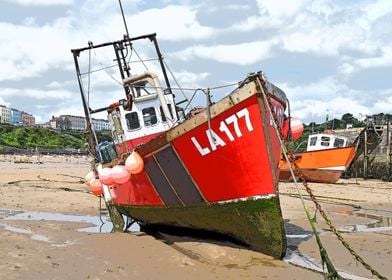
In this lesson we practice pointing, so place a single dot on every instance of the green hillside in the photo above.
(31, 137)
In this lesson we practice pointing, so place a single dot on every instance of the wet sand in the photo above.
(44, 232)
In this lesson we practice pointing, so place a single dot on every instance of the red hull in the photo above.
(237, 165)
(221, 177)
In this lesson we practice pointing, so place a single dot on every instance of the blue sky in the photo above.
(331, 55)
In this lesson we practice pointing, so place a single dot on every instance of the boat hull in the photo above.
(322, 166)
(254, 222)
(217, 172)
(314, 175)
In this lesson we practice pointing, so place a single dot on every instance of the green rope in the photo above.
(331, 271)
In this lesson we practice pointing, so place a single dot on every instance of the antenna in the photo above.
(125, 23)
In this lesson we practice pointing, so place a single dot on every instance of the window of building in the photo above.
(163, 115)
(149, 116)
(313, 141)
(325, 141)
(132, 120)
(339, 142)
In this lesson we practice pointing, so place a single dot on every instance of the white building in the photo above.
(5, 114)
(69, 122)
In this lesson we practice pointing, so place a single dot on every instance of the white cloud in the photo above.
(251, 23)
(321, 27)
(35, 93)
(382, 60)
(63, 110)
(385, 104)
(321, 39)
(355, 35)
(41, 2)
(3, 102)
(29, 51)
(188, 79)
(312, 110)
(311, 102)
(281, 9)
(171, 23)
(377, 9)
(241, 54)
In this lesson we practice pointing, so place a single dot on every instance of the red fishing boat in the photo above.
(214, 169)
(326, 158)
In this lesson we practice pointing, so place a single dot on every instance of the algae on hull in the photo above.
(258, 223)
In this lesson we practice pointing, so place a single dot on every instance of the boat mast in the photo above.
(160, 57)
(125, 22)
(87, 110)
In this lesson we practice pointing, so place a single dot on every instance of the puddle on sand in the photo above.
(101, 224)
(300, 236)
(382, 221)
(38, 237)
(300, 260)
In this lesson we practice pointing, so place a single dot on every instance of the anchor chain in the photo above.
(298, 172)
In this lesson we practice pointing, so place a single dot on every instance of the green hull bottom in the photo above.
(257, 223)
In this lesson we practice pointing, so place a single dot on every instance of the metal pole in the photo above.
(389, 149)
(365, 157)
(160, 57)
(87, 113)
(122, 13)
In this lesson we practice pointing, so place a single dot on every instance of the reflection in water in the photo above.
(381, 221)
(101, 224)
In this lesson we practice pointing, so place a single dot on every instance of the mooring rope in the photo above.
(332, 273)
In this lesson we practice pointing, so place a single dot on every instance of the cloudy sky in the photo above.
(327, 55)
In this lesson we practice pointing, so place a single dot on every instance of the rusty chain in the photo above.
(298, 172)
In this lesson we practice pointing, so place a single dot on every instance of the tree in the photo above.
(348, 118)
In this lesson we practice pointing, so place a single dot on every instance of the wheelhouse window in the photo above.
(313, 141)
(149, 116)
(339, 142)
(141, 89)
(163, 115)
(132, 120)
(325, 141)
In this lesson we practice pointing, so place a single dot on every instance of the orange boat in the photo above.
(326, 158)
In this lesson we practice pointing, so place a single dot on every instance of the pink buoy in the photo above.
(296, 128)
(120, 174)
(96, 187)
(105, 175)
(89, 176)
(134, 163)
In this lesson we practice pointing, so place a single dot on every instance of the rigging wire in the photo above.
(104, 69)
(141, 60)
(88, 78)
(115, 66)
(175, 80)
(178, 88)
(98, 69)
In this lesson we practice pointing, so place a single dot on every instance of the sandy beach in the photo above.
(52, 227)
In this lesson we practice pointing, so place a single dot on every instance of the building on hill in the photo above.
(5, 114)
(69, 122)
(101, 125)
(15, 117)
(27, 119)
